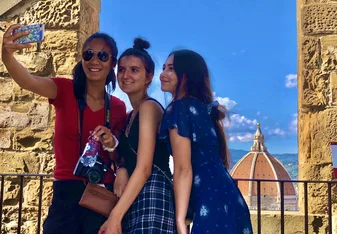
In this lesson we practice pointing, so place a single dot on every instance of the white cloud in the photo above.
(225, 101)
(244, 137)
(241, 128)
(277, 131)
(291, 80)
(293, 124)
(237, 120)
(258, 113)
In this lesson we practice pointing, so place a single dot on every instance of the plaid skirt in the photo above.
(153, 210)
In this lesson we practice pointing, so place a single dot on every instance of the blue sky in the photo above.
(250, 47)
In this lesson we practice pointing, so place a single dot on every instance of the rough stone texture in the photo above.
(329, 52)
(319, 19)
(317, 112)
(63, 63)
(18, 162)
(26, 119)
(294, 223)
(315, 89)
(21, 94)
(60, 41)
(6, 87)
(311, 53)
(54, 14)
(10, 118)
(36, 63)
(333, 82)
(88, 18)
(5, 139)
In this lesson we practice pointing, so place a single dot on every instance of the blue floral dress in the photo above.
(217, 202)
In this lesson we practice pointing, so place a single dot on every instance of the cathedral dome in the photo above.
(260, 164)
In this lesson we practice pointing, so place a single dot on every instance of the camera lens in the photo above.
(94, 177)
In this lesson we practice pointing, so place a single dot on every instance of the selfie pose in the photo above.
(147, 203)
(192, 126)
(81, 110)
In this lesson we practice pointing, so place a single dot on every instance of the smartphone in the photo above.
(36, 33)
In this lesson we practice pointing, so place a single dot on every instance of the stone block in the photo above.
(18, 162)
(315, 89)
(36, 63)
(27, 140)
(60, 14)
(60, 40)
(316, 1)
(319, 19)
(11, 191)
(10, 118)
(96, 4)
(64, 63)
(47, 163)
(29, 219)
(315, 171)
(329, 52)
(32, 192)
(6, 89)
(88, 18)
(39, 116)
(311, 53)
(333, 85)
(5, 139)
(21, 94)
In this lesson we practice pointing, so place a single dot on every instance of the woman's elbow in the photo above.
(183, 169)
(147, 171)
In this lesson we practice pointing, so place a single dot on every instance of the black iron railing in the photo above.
(43, 178)
(305, 194)
(22, 177)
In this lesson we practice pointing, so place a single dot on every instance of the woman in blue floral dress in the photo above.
(193, 127)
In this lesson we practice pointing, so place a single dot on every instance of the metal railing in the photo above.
(282, 210)
(43, 177)
(21, 177)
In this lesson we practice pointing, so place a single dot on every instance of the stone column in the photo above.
(27, 120)
(317, 98)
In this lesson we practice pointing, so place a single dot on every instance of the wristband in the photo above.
(113, 148)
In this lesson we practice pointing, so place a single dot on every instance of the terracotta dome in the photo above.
(260, 164)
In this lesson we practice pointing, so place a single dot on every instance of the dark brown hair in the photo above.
(192, 72)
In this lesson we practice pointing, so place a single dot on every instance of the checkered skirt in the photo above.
(153, 210)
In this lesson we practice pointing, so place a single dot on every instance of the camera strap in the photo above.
(81, 107)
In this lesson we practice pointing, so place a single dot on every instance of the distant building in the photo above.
(260, 164)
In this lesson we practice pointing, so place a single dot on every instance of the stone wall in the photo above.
(27, 120)
(317, 98)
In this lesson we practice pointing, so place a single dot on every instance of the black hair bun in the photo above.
(141, 44)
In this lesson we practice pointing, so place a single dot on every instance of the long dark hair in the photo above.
(194, 80)
(139, 50)
(79, 77)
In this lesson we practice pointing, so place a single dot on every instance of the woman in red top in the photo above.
(91, 75)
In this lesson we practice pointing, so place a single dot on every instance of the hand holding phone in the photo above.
(36, 33)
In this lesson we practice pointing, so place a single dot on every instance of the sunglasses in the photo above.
(101, 55)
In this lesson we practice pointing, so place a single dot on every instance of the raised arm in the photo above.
(40, 85)
(182, 176)
(150, 115)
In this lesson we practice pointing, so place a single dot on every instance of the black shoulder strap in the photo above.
(152, 99)
(82, 105)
